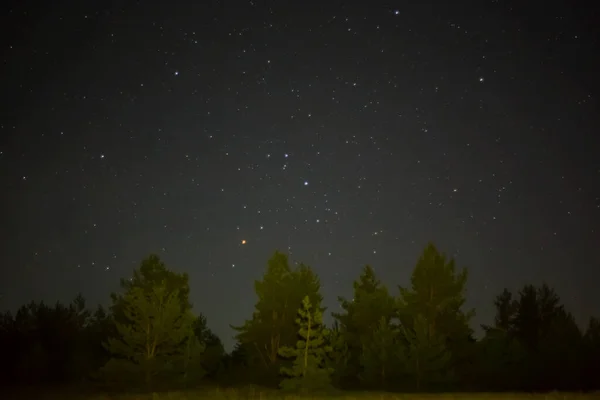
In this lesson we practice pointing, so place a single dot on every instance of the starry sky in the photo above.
(343, 133)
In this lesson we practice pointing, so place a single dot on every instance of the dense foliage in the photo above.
(416, 339)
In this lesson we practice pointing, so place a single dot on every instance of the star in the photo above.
(384, 160)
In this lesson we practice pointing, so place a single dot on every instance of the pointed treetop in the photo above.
(434, 268)
(278, 264)
(278, 269)
(367, 280)
(153, 271)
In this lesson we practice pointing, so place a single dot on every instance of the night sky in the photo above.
(341, 133)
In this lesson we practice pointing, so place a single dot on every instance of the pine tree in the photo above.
(371, 303)
(339, 355)
(437, 293)
(151, 273)
(427, 357)
(379, 355)
(273, 322)
(157, 294)
(308, 371)
(437, 297)
(549, 336)
(155, 335)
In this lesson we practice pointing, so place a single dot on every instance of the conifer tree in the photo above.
(436, 297)
(380, 355)
(309, 371)
(371, 303)
(152, 273)
(339, 356)
(591, 348)
(153, 307)
(272, 325)
(438, 293)
(426, 357)
(155, 336)
(548, 339)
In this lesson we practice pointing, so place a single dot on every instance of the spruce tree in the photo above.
(309, 371)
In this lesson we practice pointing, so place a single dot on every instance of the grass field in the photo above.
(260, 394)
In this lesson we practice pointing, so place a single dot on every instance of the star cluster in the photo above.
(342, 135)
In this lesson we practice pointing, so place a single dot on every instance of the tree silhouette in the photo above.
(273, 322)
(309, 371)
(371, 303)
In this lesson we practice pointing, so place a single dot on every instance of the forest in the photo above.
(390, 342)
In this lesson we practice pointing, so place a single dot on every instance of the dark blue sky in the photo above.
(343, 134)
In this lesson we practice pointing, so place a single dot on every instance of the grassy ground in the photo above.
(259, 394)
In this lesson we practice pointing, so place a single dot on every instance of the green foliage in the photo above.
(427, 357)
(438, 293)
(501, 360)
(253, 392)
(379, 357)
(157, 336)
(212, 358)
(534, 341)
(309, 371)
(154, 325)
(50, 343)
(419, 341)
(436, 298)
(339, 356)
(151, 273)
(371, 303)
(560, 351)
(273, 322)
(505, 311)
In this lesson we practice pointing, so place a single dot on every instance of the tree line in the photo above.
(416, 338)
